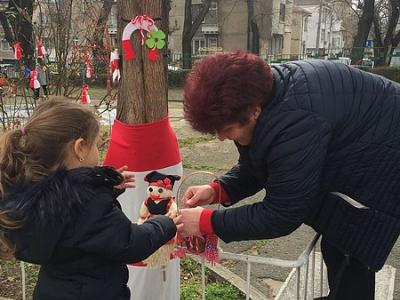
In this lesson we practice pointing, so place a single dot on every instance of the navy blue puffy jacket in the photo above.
(328, 128)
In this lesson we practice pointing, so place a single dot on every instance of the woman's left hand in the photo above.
(129, 178)
(188, 221)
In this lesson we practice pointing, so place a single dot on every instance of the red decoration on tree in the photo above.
(88, 63)
(153, 54)
(18, 51)
(33, 80)
(114, 65)
(141, 23)
(41, 50)
(85, 99)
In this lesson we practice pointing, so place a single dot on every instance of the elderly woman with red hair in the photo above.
(322, 139)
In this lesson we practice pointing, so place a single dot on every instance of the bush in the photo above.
(176, 78)
(392, 73)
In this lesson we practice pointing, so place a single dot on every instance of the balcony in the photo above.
(209, 29)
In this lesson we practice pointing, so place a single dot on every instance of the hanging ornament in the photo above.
(33, 80)
(88, 63)
(155, 41)
(18, 51)
(143, 24)
(85, 99)
(41, 50)
(114, 65)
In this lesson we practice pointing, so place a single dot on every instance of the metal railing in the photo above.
(302, 260)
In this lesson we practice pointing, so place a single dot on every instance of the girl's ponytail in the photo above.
(12, 161)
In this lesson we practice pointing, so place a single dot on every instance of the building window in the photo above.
(212, 43)
(198, 46)
(5, 45)
(282, 12)
(336, 42)
(305, 24)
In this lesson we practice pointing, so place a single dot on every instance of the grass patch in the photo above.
(195, 140)
(11, 282)
(215, 288)
(201, 167)
(259, 244)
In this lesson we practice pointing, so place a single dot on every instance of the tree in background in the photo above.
(17, 25)
(253, 34)
(386, 33)
(190, 26)
(364, 26)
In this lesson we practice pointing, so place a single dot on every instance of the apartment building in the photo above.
(225, 28)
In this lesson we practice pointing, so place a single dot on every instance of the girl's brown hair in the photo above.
(28, 154)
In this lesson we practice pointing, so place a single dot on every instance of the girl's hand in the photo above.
(129, 178)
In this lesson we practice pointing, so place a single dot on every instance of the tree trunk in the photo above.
(186, 38)
(189, 30)
(22, 26)
(253, 36)
(364, 26)
(143, 89)
(100, 28)
(8, 34)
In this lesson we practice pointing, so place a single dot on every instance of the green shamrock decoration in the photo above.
(155, 39)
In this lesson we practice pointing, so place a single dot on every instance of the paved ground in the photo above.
(218, 157)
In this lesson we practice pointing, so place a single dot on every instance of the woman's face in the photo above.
(240, 133)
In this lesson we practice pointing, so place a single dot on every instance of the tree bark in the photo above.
(189, 30)
(143, 89)
(364, 26)
(8, 34)
(253, 35)
(101, 27)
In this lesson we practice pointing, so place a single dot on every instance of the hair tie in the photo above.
(23, 131)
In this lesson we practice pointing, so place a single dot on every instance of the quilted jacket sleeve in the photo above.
(293, 148)
(239, 183)
(103, 229)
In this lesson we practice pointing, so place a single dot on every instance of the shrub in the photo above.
(176, 78)
(392, 73)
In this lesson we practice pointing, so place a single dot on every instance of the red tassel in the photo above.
(211, 253)
(129, 53)
(153, 54)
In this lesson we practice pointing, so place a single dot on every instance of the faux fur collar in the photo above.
(59, 196)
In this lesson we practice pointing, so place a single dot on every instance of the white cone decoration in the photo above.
(145, 148)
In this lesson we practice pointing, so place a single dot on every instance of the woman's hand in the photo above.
(129, 178)
(198, 195)
(188, 221)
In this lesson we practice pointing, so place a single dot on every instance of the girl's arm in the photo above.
(104, 230)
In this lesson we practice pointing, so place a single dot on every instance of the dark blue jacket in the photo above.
(74, 228)
(328, 128)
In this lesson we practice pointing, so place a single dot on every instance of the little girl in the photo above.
(58, 209)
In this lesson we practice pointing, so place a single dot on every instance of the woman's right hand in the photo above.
(198, 195)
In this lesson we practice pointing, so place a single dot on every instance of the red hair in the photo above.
(223, 89)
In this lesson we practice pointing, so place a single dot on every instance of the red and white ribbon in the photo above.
(141, 23)
(85, 99)
(114, 65)
(41, 50)
(88, 63)
(33, 80)
(18, 51)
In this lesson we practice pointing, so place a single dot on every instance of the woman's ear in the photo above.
(257, 112)
(79, 147)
